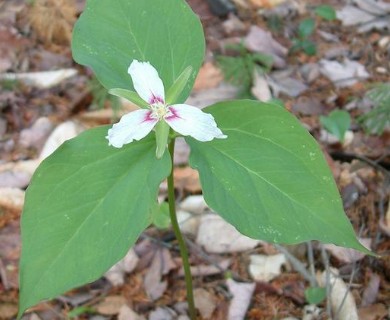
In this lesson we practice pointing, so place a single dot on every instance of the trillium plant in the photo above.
(90, 200)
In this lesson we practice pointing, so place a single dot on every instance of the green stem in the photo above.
(179, 237)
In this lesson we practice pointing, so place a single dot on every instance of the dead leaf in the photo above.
(11, 199)
(308, 106)
(209, 77)
(36, 135)
(233, 24)
(205, 302)
(125, 313)
(110, 305)
(266, 268)
(116, 274)
(266, 3)
(242, 295)
(341, 299)
(370, 293)
(17, 174)
(8, 310)
(347, 255)
(188, 223)
(344, 74)
(208, 97)
(218, 236)
(282, 82)
(161, 264)
(62, 133)
(42, 80)
(259, 40)
(194, 204)
(374, 312)
(187, 179)
(10, 254)
(162, 314)
(208, 270)
(260, 89)
(312, 312)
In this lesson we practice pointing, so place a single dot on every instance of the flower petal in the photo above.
(191, 121)
(132, 126)
(147, 82)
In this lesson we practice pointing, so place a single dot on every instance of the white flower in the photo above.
(184, 119)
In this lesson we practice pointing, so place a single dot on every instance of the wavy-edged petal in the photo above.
(132, 126)
(147, 82)
(191, 121)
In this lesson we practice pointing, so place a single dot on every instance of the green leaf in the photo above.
(110, 34)
(85, 207)
(315, 295)
(337, 123)
(269, 178)
(308, 47)
(306, 28)
(129, 95)
(161, 217)
(177, 88)
(326, 12)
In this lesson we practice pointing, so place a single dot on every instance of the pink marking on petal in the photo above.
(174, 115)
(154, 99)
(148, 117)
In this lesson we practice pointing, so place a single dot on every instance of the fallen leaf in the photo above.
(261, 41)
(312, 312)
(125, 313)
(42, 80)
(370, 292)
(10, 253)
(260, 89)
(17, 174)
(344, 74)
(8, 310)
(205, 302)
(194, 204)
(347, 255)
(162, 314)
(110, 305)
(36, 135)
(208, 97)
(62, 133)
(242, 295)
(161, 264)
(208, 270)
(341, 299)
(374, 312)
(307, 106)
(218, 236)
(189, 224)
(209, 77)
(266, 3)
(116, 274)
(266, 268)
(11, 199)
(281, 82)
(233, 24)
(187, 179)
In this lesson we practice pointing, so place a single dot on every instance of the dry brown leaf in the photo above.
(208, 270)
(205, 302)
(10, 253)
(209, 77)
(374, 312)
(242, 295)
(266, 268)
(111, 305)
(268, 4)
(370, 293)
(116, 274)
(8, 310)
(11, 199)
(187, 179)
(347, 255)
(125, 313)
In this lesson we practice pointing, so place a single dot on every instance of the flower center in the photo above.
(159, 110)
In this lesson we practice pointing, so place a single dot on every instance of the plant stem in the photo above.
(179, 237)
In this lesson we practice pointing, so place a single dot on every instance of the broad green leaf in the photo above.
(129, 95)
(308, 47)
(306, 28)
(110, 34)
(326, 12)
(315, 295)
(337, 123)
(86, 205)
(269, 178)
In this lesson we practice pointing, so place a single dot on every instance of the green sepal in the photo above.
(179, 85)
(129, 95)
(162, 133)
